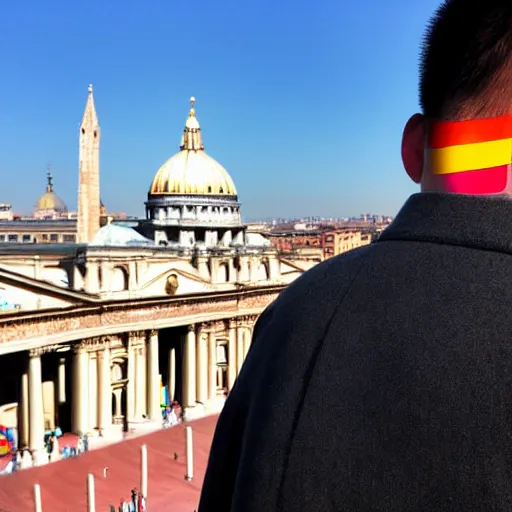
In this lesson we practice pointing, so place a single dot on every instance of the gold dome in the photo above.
(50, 201)
(192, 171)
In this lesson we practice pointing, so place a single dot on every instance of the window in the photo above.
(69, 239)
(54, 238)
(45, 238)
(222, 360)
(329, 238)
(27, 239)
(12, 238)
(2, 238)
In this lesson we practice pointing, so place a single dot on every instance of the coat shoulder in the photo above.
(323, 287)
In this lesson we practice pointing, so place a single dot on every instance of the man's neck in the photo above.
(469, 157)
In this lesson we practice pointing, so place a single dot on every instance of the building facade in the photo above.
(110, 379)
(320, 243)
(93, 329)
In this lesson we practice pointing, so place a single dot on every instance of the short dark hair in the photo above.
(466, 60)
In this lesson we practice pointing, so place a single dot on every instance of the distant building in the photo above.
(339, 241)
(6, 211)
(321, 243)
(43, 231)
(51, 221)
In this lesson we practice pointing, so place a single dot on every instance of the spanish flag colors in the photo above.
(471, 157)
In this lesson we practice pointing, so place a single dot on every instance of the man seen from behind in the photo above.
(381, 380)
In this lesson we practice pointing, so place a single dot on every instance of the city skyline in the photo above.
(259, 99)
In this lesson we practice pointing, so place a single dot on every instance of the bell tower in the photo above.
(88, 222)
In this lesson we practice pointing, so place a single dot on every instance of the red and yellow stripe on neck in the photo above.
(470, 157)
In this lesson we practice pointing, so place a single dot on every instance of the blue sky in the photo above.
(303, 102)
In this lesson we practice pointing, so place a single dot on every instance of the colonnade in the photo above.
(104, 369)
(202, 371)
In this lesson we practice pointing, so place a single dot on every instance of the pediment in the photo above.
(178, 279)
(288, 266)
(17, 291)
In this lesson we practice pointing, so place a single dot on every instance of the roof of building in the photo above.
(257, 240)
(118, 235)
(191, 171)
(35, 224)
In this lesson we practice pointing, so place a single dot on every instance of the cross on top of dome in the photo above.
(192, 112)
(49, 177)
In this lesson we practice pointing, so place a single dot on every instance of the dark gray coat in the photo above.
(381, 380)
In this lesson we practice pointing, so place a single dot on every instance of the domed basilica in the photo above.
(192, 204)
(192, 200)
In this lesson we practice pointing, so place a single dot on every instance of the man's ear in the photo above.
(413, 147)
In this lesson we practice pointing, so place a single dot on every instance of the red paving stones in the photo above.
(63, 483)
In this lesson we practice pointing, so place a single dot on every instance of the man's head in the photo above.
(465, 74)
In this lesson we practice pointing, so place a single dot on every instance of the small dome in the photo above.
(116, 235)
(192, 171)
(50, 201)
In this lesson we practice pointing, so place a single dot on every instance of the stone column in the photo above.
(105, 276)
(189, 369)
(37, 267)
(92, 281)
(214, 269)
(202, 267)
(247, 340)
(240, 354)
(36, 410)
(172, 374)
(140, 382)
(275, 268)
(132, 372)
(202, 367)
(78, 280)
(93, 392)
(232, 355)
(212, 365)
(153, 377)
(253, 269)
(23, 412)
(61, 381)
(132, 275)
(118, 393)
(104, 390)
(80, 396)
(232, 270)
(243, 273)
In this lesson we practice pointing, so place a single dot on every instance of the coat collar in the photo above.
(470, 221)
